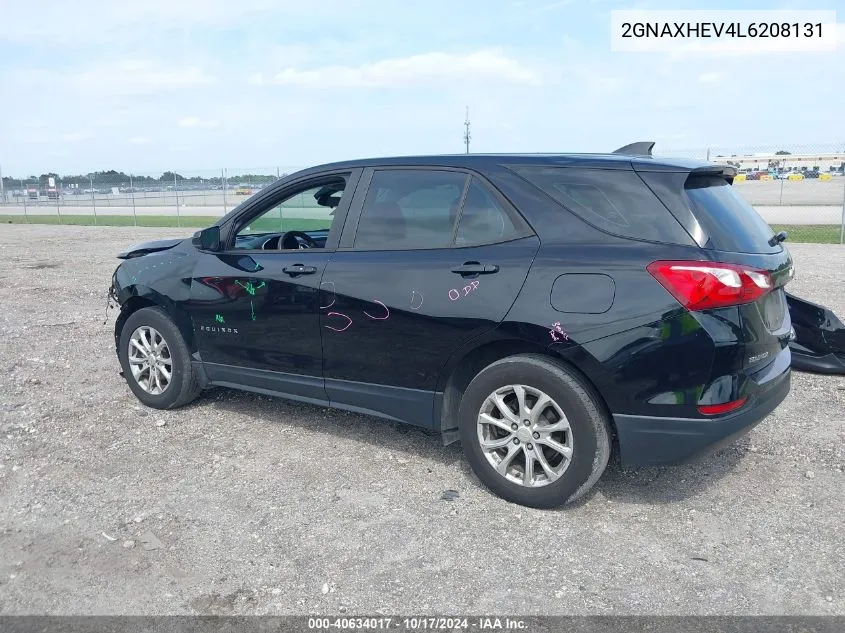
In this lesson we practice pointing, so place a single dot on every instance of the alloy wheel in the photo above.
(150, 360)
(525, 435)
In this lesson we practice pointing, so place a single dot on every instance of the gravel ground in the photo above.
(240, 504)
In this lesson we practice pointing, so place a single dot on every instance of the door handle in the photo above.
(299, 269)
(474, 268)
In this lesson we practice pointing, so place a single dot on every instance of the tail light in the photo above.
(701, 285)
(718, 409)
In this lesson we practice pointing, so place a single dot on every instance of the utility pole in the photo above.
(25, 196)
(176, 191)
(467, 135)
(223, 179)
(2, 188)
(132, 193)
(842, 219)
(93, 201)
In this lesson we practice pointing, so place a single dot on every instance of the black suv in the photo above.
(534, 307)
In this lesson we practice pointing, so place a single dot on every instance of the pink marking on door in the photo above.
(387, 312)
(558, 331)
(414, 294)
(455, 294)
(331, 314)
(334, 296)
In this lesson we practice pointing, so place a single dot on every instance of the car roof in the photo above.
(486, 161)
(624, 159)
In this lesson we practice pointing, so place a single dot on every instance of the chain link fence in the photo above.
(797, 189)
(191, 198)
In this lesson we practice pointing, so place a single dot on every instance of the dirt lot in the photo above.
(246, 504)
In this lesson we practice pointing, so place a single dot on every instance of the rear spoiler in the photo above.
(643, 148)
(722, 171)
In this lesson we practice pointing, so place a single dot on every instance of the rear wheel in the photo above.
(532, 432)
(156, 361)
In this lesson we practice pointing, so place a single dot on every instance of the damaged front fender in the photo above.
(819, 343)
(145, 248)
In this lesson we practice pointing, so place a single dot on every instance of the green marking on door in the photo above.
(250, 287)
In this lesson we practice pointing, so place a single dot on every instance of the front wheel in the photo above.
(156, 361)
(532, 432)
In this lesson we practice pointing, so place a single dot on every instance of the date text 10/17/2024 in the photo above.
(417, 623)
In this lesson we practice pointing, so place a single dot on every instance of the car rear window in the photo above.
(732, 224)
(615, 201)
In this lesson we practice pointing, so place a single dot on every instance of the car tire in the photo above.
(182, 386)
(583, 431)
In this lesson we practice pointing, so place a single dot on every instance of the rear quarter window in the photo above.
(615, 201)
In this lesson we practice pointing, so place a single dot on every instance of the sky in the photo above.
(198, 85)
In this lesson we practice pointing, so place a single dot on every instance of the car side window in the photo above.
(616, 201)
(309, 211)
(410, 209)
(482, 219)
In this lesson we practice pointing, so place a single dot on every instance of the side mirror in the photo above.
(207, 239)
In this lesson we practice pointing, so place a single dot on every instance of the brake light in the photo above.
(701, 285)
(727, 407)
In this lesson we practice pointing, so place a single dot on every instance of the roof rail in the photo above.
(640, 148)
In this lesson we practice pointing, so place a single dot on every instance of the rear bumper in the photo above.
(646, 440)
(821, 364)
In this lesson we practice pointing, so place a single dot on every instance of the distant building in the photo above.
(785, 162)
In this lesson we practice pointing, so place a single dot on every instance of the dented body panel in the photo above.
(145, 248)
(819, 344)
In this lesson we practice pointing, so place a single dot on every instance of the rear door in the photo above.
(429, 259)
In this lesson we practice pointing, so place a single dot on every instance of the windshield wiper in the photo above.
(778, 238)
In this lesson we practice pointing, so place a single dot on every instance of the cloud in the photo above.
(144, 77)
(553, 6)
(56, 138)
(710, 77)
(423, 69)
(126, 77)
(600, 82)
(71, 137)
(193, 121)
(119, 22)
(161, 65)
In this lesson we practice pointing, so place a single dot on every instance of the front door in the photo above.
(437, 259)
(255, 305)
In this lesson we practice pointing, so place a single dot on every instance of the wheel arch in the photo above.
(476, 359)
(151, 299)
